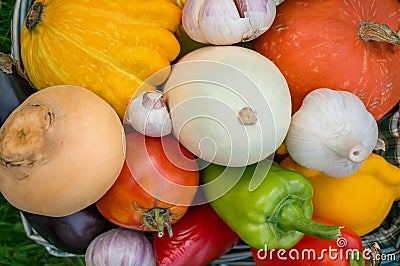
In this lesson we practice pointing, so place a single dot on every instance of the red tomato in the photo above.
(155, 187)
(200, 238)
(313, 251)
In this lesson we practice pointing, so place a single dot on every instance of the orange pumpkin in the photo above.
(318, 43)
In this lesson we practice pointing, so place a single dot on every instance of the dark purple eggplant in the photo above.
(14, 87)
(72, 233)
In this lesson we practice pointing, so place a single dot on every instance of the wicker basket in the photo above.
(240, 254)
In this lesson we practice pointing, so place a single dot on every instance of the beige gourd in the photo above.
(60, 151)
(229, 105)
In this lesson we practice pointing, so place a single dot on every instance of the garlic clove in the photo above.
(148, 114)
(220, 29)
(259, 14)
(224, 32)
(191, 14)
(226, 22)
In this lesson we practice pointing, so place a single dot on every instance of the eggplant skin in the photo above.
(72, 233)
(14, 87)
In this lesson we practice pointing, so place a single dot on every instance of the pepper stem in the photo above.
(292, 218)
(373, 31)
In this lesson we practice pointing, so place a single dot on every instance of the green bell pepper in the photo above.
(265, 204)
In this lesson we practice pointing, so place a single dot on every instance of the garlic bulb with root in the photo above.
(148, 114)
(332, 133)
(225, 22)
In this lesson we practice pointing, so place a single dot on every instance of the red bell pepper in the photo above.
(314, 251)
(199, 238)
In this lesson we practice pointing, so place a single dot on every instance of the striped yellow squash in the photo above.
(108, 47)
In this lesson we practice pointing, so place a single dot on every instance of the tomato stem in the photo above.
(156, 219)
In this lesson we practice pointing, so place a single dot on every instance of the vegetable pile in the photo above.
(163, 132)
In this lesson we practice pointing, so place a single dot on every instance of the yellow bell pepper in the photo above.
(360, 201)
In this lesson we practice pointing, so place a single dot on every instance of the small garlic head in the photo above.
(226, 22)
(332, 133)
(148, 114)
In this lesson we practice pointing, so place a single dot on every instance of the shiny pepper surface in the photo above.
(360, 201)
(266, 205)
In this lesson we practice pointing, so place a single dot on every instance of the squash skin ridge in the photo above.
(172, 27)
(65, 80)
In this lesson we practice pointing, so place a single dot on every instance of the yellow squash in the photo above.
(108, 47)
(360, 201)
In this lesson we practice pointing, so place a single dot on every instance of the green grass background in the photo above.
(15, 247)
(6, 9)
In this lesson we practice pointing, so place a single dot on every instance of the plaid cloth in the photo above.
(389, 131)
(387, 236)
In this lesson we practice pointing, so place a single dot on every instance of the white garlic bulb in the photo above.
(332, 133)
(226, 22)
(148, 114)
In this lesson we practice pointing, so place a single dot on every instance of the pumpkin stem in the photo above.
(34, 15)
(373, 31)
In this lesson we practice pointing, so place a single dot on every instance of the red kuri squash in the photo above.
(326, 43)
